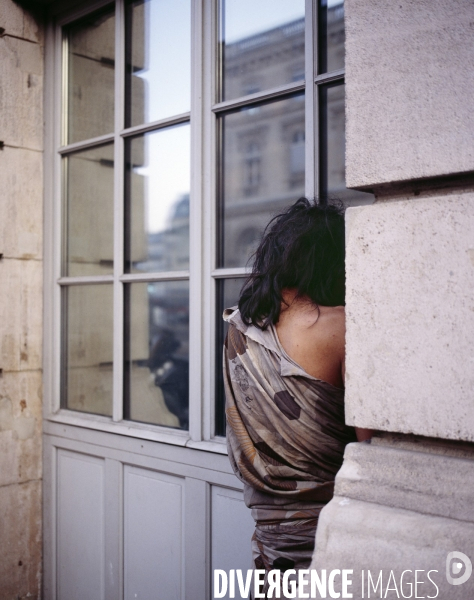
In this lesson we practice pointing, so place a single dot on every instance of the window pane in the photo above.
(262, 170)
(157, 353)
(157, 201)
(333, 148)
(158, 59)
(89, 211)
(88, 349)
(331, 35)
(91, 75)
(228, 292)
(261, 45)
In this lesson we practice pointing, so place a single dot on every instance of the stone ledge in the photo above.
(358, 535)
(418, 481)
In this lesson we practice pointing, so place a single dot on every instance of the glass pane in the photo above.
(157, 201)
(91, 76)
(261, 44)
(228, 292)
(157, 353)
(88, 349)
(333, 148)
(158, 59)
(331, 35)
(262, 170)
(89, 212)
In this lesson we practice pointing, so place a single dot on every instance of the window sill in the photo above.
(144, 431)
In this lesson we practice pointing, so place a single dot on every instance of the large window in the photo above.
(182, 127)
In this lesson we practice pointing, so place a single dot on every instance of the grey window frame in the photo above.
(203, 272)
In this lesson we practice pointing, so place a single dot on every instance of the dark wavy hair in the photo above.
(303, 248)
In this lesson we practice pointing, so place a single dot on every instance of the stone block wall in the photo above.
(21, 267)
(404, 501)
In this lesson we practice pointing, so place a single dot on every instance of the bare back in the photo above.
(314, 337)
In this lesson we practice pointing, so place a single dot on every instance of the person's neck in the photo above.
(290, 298)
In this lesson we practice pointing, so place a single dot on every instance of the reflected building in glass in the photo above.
(262, 158)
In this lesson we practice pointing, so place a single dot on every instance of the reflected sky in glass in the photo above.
(159, 59)
(157, 200)
(244, 18)
(254, 36)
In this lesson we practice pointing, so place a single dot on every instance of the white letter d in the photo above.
(220, 593)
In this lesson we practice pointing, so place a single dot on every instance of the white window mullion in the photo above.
(311, 150)
(196, 226)
(57, 212)
(118, 209)
(209, 212)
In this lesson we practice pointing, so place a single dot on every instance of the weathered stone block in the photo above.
(410, 316)
(408, 89)
(21, 182)
(20, 532)
(21, 95)
(20, 22)
(21, 314)
(20, 427)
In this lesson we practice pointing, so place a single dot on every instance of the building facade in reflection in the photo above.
(262, 161)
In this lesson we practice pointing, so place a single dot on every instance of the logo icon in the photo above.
(454, 567)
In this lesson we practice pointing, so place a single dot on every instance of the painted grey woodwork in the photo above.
(80, 526)
(232, 526)
(153, 535)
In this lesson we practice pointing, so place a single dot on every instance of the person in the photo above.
(284, 381)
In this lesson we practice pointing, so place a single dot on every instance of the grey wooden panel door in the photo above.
(128, 519)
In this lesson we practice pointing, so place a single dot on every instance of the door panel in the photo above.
(127, 519)
(80, 526)
(153, 547)
(232, 528)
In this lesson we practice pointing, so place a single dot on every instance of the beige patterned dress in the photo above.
(286, 437)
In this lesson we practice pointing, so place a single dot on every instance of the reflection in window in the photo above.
(228, 292)
(331, 35)
(157, 353)
(258, 38)
(157, 201)
(297, 158)
(89, 212)
(252, 168)
(261, 170)
(158, 60)
(91, 76)
(88, 349)
(333, 147)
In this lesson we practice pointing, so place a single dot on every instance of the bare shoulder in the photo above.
(332, 323)
(315, 339)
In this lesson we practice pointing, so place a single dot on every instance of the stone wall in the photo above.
(404, 501)
(21, 223)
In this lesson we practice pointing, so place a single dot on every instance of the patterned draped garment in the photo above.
(286, 437)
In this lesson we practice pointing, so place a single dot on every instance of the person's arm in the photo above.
(361, 433)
